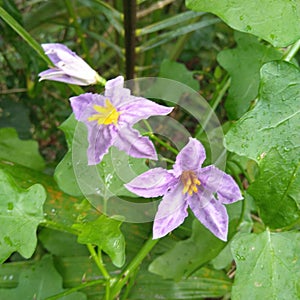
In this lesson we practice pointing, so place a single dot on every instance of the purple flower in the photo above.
(204, 190)
(69, 67)
(109, 120)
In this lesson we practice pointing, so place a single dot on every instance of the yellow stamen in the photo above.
(190, 182)
(105, 114)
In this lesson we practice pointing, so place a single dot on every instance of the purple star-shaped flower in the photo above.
(110, 117)
(69, 67)
(204, 190)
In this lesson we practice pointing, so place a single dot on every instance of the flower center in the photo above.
(105, 114)
(190, 182)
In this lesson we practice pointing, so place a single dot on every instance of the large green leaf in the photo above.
(243, 64)
(274, 21)
(274, 122)
(59, 207)
(268, 266)
(39, 281)
(276, 191)
(105, 233)
(204, 283)
(176, 71)
(19, 151)
(21, 211)
(188, 255)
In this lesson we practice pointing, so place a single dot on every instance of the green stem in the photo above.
(124, 276)
(80, 36)
(215, 102)
(57, 226)
(98, 261)
(157, 139)
(75, 289)
(292, 51)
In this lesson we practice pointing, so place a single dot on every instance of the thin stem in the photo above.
(157, 139)
(166, 145)
(292, 51)
(129, 7)
(75, 289)
(98, 261)
(79, 33)
(215, 102)
(124, 276)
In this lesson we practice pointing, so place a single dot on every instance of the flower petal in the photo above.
(82, 105)
(100, 139)
(70, 63)
(58, 75)
(116, 92)
(190, 157)
(171, 212)
(216, 181)
(141, 108)
(152, 183)
(135, 145)
(213, 215)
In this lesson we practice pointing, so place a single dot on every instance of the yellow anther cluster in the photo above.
(190, 182)
(105, 114)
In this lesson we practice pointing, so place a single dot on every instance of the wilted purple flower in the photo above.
(69, 67)
(204, 190)
(109, 120)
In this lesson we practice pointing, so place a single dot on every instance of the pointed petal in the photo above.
(115, 91)
(135, 145)
(100, 140)
(152, 183)
(51, 50)
(171, 212)
(141, 108)
(216, 181)
(213, 215)
(190, 157)
(82, 105)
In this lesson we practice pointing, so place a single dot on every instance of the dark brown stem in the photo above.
(129, 7)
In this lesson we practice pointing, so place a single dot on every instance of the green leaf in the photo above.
(61, 243)
(172, 34)
(276, 22)
(205, 283)
(19, 151)
(15, 114)
(177, 71)
(174, 20)
(243, 64)
(39, 281)
(276, 190)
(24, 34)
(268, 266)
(21, 211)
(274, 122)
(59, 207)
(188, 255)
(105, 233)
